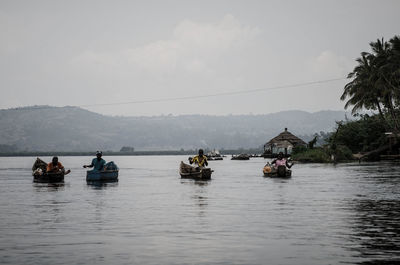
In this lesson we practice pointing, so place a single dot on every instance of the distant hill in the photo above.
(46, 128)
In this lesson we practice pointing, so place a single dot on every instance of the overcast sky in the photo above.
(93, 52)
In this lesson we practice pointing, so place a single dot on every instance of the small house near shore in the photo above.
(284, 142)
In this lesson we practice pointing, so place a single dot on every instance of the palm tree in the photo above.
(361, 91)
(392, 67)
(385, 64)
(376, 81)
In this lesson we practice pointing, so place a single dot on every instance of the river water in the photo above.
(324, 214)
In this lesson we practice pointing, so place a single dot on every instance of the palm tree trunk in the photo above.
(381, 113)
(389, 104)
(394, 116)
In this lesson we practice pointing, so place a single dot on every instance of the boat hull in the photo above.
(108, 175)
(280, 172)
(48, 178)
(189, 172)
(241, 157)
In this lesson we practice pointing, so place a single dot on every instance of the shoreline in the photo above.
(115, 153)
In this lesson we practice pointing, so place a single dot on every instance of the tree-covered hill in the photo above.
(45, 128)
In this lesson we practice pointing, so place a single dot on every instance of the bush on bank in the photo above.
(322, 154)
(315, 155)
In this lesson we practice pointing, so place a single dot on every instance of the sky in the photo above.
(145, 58)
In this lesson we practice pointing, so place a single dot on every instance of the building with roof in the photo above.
(284, 142)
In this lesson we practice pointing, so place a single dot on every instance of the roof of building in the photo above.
(283, 144)
(288, 137)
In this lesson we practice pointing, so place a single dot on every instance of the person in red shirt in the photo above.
(56, 167)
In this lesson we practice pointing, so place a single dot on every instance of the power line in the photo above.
(198, 96)
(216, 94)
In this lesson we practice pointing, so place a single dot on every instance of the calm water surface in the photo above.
(324, 214)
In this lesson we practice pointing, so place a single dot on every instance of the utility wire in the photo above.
(202, 96)
(216, 94)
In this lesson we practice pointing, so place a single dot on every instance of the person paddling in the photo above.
(56, 167)
(200, 160)
(281, 161)
(98, 163)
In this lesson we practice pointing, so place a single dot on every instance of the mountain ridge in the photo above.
(47, 128)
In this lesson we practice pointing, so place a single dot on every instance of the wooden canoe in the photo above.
(48, 177)
(197, 173)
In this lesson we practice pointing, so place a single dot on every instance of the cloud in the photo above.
(213, 37)
(329, 65)
(193, 47)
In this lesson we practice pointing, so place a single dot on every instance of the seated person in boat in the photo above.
(281, 161)
(55, 167)
(98, 163)
(200, 160)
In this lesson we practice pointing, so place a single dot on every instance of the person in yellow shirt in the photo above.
(200, 160)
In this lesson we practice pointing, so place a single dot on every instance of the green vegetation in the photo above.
(315, 155)
(375, 86)
(376, 82)
(323, 154)
(363, 135)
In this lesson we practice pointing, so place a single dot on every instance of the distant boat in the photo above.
(188, 171)
(240, 157)
(214, 158)
(280, 172)
(214, 155)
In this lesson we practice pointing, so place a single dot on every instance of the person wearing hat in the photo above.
(98, 163)
(200, 159)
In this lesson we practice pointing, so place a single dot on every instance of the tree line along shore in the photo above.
(257, 151)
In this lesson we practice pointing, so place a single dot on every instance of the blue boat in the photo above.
(110, 174)
(107, 175)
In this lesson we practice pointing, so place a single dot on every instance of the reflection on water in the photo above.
(199, 194)
(375, 214)
(377, 230)
(195, 182)
(49, 187)
(98, 185)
